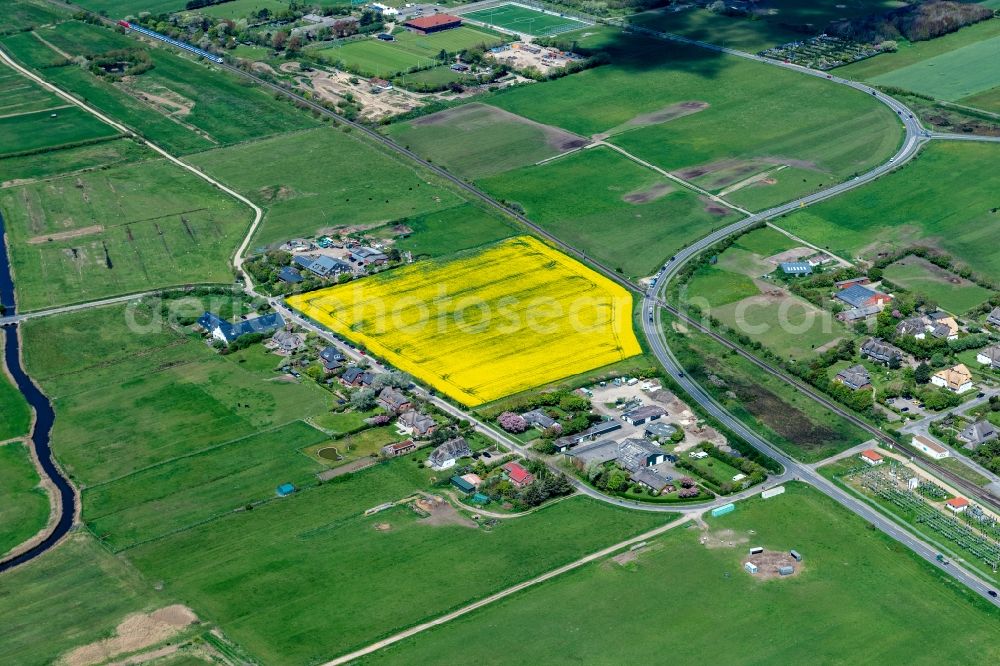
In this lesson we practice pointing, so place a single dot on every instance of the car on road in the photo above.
(992, 593)
(980, 395)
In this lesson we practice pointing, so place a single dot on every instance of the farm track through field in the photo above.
(913, 140)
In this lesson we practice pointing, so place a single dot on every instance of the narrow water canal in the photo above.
(44, 417)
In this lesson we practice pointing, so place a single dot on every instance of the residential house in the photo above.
(331, 359)
(661, 431)
(289, 275)
(977, 433)
(325, 267)
(881, 351)
(796, 267)
(945, 328)
(990, 356)
(650, 478)
(517, 475)
(539, 419)
(416, 424)
(855, 378)
(634, 454)
(366, 256)
(286, 342)
(356, 377)
(398, 448)
(929, 447)
(858, 296)
(393, 401)
(226, 332)
(957, 379)
(872, 457)
(993, 318)
(446, 455)
(915, 327)
(957, 504)
(643, 414)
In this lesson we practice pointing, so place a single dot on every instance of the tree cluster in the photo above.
(918, 21)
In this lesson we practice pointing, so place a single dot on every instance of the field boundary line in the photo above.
(667, 174)
(503, 594)
(28, 113)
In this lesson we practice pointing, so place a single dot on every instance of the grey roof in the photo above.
(880, 350)
(420, 423)
(331, 357)
(324, 266)
(855, 314)
(660, 429)
(367, 255)
(992, 353)
(796, 267)
(645, 412)
(599, 452)
(994, 317)
(287, 340)
(650, 477)
(854, 377)
(938, 315)
(855, 295)
(537, 417)
(352, 375)
(597, 429)
(392, 398)
(911, 326)
(940, 331)
(264, 324)
(453, 449)
(979, 432)
(634, 454)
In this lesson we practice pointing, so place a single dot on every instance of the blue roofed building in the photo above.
(225, 332)
(289, 275)
(858, 296)
(285, 489)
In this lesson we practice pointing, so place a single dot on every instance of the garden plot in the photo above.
(488, 324)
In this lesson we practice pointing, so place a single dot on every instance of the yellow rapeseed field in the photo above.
(488, 324)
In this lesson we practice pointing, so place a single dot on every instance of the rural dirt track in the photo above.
(503, 594)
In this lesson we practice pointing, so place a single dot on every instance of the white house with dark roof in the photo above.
(881, 351)
(993, 318)
(989, 356)
(978, 433)
(449, 453)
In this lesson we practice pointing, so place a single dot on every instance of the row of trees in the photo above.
(916, 22)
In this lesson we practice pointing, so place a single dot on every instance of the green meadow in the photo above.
(24, 505)
(874, 594)
(943, 199)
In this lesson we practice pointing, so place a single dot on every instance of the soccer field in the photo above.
(517, 18)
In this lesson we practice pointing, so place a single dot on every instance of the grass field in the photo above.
(791, 421)
(435, 76)
(120, 8)
(357, 183)
(94, 590)
(447, 231)
(321, 570)
(16, 414)
(783, 21)
(751, 116)
(989, 100)
(488, 324)
(911, 53)
(874, 593)
(953, 75)
(943, 199)
(193, 489)
(241, 8)
(65, 160)
(20, 95)
(128, 228)
(24, 506)
(22, 15)
(187, 398)
(521, 19)
(373, 57)
(188, 105)
(581, 196)
(476, 140)
(948, 290)
(38, 130)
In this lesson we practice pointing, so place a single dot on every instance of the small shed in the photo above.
(786, 570)
(285, 489)
(795, 555)
(462, 485)
(750, 567)
(480, 498)
(756, 550)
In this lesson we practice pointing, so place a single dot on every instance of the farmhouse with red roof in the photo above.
(519, 476)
